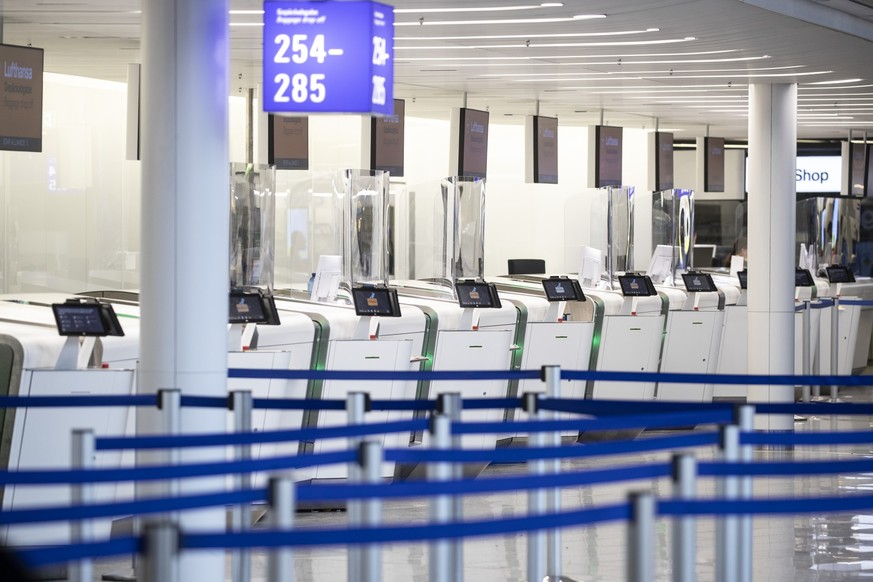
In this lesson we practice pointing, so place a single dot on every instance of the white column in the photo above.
(185, 206)
(771, 239)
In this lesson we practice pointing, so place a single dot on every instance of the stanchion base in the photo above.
(129, 576)
(558, 579)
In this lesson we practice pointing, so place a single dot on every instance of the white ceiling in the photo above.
(683, 64)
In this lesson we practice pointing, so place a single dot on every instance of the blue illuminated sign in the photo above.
(328, 57)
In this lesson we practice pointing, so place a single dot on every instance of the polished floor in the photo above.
(805, 548)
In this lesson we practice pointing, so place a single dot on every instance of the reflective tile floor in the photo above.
(811, 547)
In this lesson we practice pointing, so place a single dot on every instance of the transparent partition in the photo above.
(252, 225)
(332, 214)
(611, 228)
(666, 219)
(439, 231)
(364, 194)
(830, 228)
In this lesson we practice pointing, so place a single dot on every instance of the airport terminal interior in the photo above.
(606, 233)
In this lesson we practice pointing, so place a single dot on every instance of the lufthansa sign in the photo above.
(328, 57)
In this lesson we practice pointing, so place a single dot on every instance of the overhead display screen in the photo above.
(545, 150)
(328, 57)
(663, 161)
(288, 142)
(857, 163)
(386, 141)
(21, 106)
(607, 153)
(713, 164)
(473, 149)
(376, 301)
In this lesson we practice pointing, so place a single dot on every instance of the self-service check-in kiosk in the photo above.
(61, 360)
(692, 339)
(842, 287)
(734, 358)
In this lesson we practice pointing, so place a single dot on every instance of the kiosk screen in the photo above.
(743, 276)
(803, 278)
(86, 319)
(247, 308)
(477, 294)
(376, 301)
(698, 282)
(840, 274)
(636, 286)
(563, 289)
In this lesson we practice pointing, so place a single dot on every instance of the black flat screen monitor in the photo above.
(698, 283)
(247, 308)
(473, 149)
(803, 278)
(376, 301)
(288, 142)
(636, 286)
(563, 289)
(713, 164)
(88, 318)
(386, 141)
(857, 179)
(607, 156)
(477, 294)
(663, 161)
(839, 274)
(545, 149)
(743, 276)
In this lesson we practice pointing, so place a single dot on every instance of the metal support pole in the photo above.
(727, 554)
(746, 419)
(170, 405)
(807, 341)
(280, 562)
(552, 378)
(240, 403)
(684, 537)
(82, 531)
(835, 346)
(370, 458)
(451, 404)
(161, 549)
(440, 554)
(641, 538)
(536, 498)
(356, 408)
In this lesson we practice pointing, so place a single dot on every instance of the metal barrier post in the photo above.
(806, 344)
(746, 419)
(641, 538)
(727, 554)
(450, 404)
(370, 457)
(240, 403)
(161, 550)
(281, 497)
(440, 554)
(552, 378)
(536, 498)
(684, 537)
(835, 346)
(82, 530)
(357, 404)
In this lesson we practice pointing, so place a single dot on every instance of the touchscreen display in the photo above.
(79, 319)
(376, 301)
(803, 278)
(246, 308)
(476, 294)
(698, 282)
(636, 286)
(563, 289)
(840, 274)
(743, 276)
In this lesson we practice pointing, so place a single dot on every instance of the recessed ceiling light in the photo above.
(562, 57)
(525, 36)
(474, 9)
(741, 76)
(426, 22)
(532, 46)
